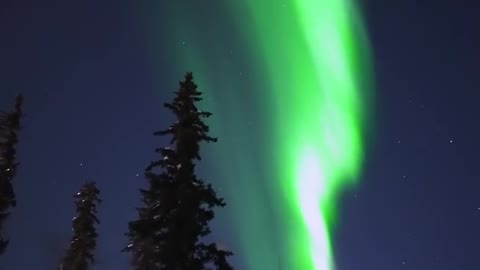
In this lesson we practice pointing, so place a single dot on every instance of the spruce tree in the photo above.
(177, 206)
(79, 255)
(9, 127)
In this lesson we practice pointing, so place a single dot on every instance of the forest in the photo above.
(176, 207)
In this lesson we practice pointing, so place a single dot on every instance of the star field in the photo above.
(95, 75)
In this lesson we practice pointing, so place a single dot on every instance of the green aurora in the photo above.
(288, 84)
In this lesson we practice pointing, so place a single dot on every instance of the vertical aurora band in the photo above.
(300, 73)
(319, 114)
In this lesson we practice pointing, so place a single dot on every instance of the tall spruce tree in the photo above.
(9, 127)
(79, 255)
(177, 206)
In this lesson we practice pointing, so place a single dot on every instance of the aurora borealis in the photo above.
(403, 195)
(301, 140)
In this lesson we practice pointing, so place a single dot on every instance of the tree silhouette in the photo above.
(177, 206)
(9, 127)
(79, 254)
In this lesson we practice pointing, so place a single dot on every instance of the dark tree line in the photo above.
(176, 207)
(79, 254)
(9, 127)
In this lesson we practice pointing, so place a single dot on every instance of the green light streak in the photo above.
(311, 54)
(305, 84)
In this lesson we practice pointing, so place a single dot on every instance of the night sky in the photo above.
(96, 73)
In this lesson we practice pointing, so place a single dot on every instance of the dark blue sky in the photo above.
(418, 206)
(92, 104)
(89, 100)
